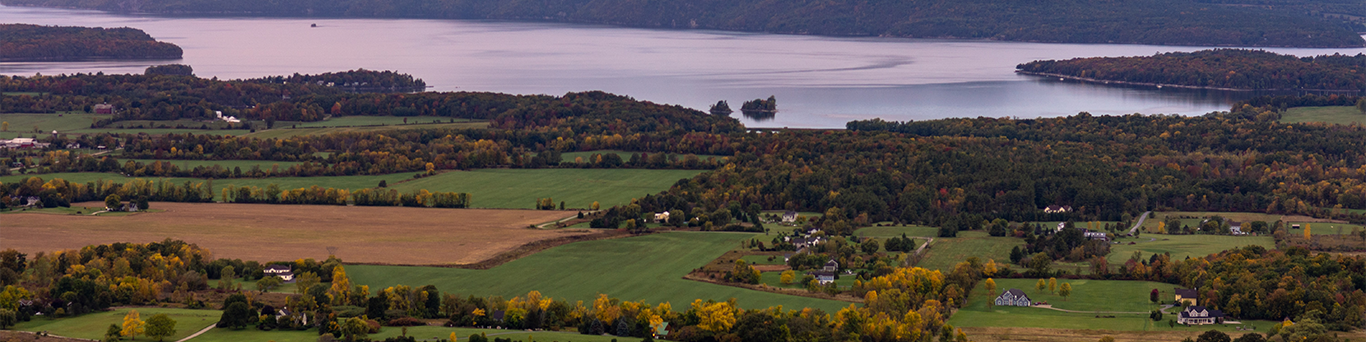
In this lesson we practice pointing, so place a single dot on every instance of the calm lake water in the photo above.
(818, 81)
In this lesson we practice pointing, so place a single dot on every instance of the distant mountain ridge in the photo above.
(1262, 23)
(23, 42)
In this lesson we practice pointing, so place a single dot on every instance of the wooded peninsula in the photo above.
(1229, 69)
(23, 42)
(1299, 23)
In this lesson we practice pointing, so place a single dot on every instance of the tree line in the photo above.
(1163, 22)
(61, 193)
(24, 42)
(1219, 68)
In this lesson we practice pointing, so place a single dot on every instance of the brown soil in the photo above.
(24, 336)
(265, 232)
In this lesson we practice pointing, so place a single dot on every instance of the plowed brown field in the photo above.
(264, 232)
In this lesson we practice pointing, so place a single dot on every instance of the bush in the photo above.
(405, 322)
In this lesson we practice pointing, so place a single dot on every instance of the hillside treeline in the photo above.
(908, 304)
(23, 42)
(160, 97)
(57, 192)
(355, 80)
(1219, 68)
(1170, 22)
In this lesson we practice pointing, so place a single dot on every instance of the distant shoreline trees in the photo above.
(24, 42)
(1218, 69)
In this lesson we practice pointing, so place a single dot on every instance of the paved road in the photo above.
(1140, 221)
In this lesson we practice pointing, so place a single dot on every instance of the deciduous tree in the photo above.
(132, 325)
(160, 326)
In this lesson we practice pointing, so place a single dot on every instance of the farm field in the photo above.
(24, 123)
(1094, 295)
(93, 325)
(1322, 228)
(227, 164)
(578, 188)
(341, 182)
(944, 253)
(1194, 219)
(346, 121)
(1109, 294)
(649, 268)
(1182, 246)
(419, 332)
(265, 232)
(1342, 115)
(294, 132)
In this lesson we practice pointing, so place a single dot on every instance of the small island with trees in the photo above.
(31, 43)
(1223, 69)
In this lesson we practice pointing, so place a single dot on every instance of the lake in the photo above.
(818, 81)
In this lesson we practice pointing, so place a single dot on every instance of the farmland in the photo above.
(92, 326)
(578, 188)
(1088, 295)
(944, 253)
(1182, 246)
(1342, 115)
(266, 232)
(245, 165)
(293, 132)
(649, 268)
(569, 156)
(340, 182)
(420, 332)
(890, 231)
(1193, 218)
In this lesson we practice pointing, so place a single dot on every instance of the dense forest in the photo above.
(23, 42)
(1168, 22)
(1218, 68)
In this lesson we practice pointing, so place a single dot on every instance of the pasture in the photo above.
(1322, 228)
(93, 325)
(1088, 295)
(578, 188)
(1193, 218)
(419, 332)
(349, 121)
(1342, 115)
(245, 165)
(46, 123)
(287, 183)
(944, 253)
(649, 268)
(568, 157)
(265, 232)
(285, 132)
(1182, 246)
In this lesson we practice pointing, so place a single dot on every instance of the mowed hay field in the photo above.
(578, 188)
(944, 253)
(1182, 246)
(93, 325)
(264, 232)
(1342, 115)
(649, 267)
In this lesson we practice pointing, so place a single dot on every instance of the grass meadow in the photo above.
(1182, 246)
(568, 157)
(578, 188)
(93, 325)
(944, 253)
(1087, 295)
(887, 231)
(1342, 115)
(1323, 228)
(649, 268)
(280, 132)
(419, 332)
(227, 164)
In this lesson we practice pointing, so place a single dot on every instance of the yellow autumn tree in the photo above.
(787, 277)
(453, 339)
(132, 325)
(605, 310)
(991, 286)
(1307, 236)
(714, 317)
(989, 269)
(341, 286)
(1052, 285)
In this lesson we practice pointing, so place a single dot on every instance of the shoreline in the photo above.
(1183, 86)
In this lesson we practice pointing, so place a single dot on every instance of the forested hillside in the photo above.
(22, 42)
(1219, 68)
(1169, 22)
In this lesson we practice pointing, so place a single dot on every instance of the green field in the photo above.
(1342, 115)
(1182, 246)
(286, 132)
(578, 188)
(343, 182)
(227, 164)
(347, 121)
(93, 325)
(568, 157)
(649, 268)
(886, 232)
(1322, 228)
(944, 253)
(1150, 225)
(419, 332)
(24, 123)
(1088, 295)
